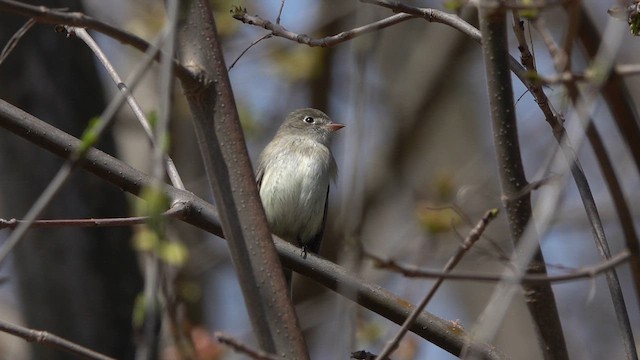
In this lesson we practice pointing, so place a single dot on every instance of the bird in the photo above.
(294, 175)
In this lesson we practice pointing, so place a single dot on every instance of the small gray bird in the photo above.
(293, 177)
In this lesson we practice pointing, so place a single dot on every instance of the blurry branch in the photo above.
(231, 179)
(205, 216)
(601, 64)
(529, 188)
(242, 348)
(572, 9)
(539, 297)
(42, 14)
(91, 136)
(588, 272)
(13, 41)
(463, 248)
(133, 104)
(51, 340)
(620, 103)
(176, 211)
(559, 56)
(627, 69)
(363, 355)
(280, 11)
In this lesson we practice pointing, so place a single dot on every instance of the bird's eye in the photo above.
(308, 120)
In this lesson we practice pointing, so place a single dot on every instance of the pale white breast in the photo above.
(294, 189)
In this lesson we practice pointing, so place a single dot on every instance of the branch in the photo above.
(408, 12)
(474, 235)
(205, 216)
(230, 174)
(539, 297)
(620, 103)
(280, 31)
(242, 348)
(51, 340)
(82, 34)
(589, 272)
(176, 211)
(46, 15)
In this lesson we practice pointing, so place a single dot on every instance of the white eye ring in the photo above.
(308, 120)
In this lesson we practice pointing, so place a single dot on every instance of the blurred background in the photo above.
(416, 171)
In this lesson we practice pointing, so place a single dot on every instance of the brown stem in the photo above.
(539, 297)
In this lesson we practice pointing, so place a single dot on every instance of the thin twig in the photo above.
(627, 69)
(75, 157)
(243, 348)
(589, 272)
(280, 11)
(281, 31)
(82, 34)
(463, 248)
(407, 13)
(559, 56)
(13, 41)
(205, 216)
(579, 100)
(174, 212)
(247, 49)
(51, 340)
(43, 14)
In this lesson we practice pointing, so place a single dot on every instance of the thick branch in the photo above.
(539, 297)
(205, 216)
(226, 161)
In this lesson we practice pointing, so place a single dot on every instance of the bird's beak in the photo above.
(335, 127)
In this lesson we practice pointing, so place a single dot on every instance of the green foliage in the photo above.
(90, 135)
(152, 237)
(454, 5)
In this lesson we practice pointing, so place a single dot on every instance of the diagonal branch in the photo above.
(51, 340)
(205, 216)
(539, 297)
(463, 248)
(226, 162)
(46, 15)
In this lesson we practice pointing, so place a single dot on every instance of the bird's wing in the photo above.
(259, 174)
(314, 245)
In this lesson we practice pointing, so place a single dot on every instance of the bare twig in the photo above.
(627, 69)
(280, 11)
(474, 235)
(559, 56)
(407, 13)
(13, 41)
(42, 14)
(205, 216)
(243, 348)
(579, 100)
(247, 49)
(81, 33)
(91, 136)
(589, 272)
(51, 340)
(176, 211)
(281, 31)
(530, 187)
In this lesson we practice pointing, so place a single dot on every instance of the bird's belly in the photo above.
(293, 194)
